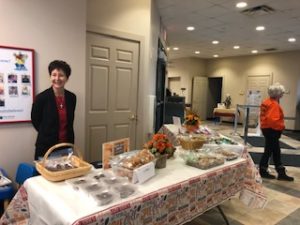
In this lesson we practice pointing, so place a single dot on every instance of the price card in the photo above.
(110, 149)
(143, 173)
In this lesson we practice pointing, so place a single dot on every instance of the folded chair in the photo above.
(6, 192)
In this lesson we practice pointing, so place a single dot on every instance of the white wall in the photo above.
(186, 69)
(285, 68)
(55, 30)
(137, 17)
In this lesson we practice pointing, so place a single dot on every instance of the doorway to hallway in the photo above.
(214, 95)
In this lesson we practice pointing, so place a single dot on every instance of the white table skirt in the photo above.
(57, 203)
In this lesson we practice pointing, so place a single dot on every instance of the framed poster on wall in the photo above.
(16, 84)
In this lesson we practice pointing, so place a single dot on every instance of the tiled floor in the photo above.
(283, 206)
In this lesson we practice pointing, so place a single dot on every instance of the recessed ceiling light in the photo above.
(215, 42)
(292, 39)
(197, 52)
(168, 49)
(254, 51)
(236, 47)
(241, 4)
(260, 28)
(190, 28)
(216, 56)
(175, 48)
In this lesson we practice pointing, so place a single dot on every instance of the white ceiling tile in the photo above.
(220, 19)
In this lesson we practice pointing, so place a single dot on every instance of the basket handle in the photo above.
(50, 150)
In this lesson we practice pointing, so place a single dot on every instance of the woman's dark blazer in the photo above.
(44, 117)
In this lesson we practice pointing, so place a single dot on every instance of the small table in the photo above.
(222, 112)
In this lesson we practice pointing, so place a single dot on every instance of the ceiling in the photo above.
(221, 20)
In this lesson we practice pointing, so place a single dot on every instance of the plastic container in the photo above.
(103, 197)
(124, 164)
(124, 190)
(77, 183)
(204, 161)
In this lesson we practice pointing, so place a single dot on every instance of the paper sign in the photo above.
(110, 149)
(253, 200)
(143, 173)
(176, 121)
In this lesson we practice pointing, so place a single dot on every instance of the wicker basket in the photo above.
(82, 167)
(192, 143)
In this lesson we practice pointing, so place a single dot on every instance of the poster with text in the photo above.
(16, 84)
(113, 148)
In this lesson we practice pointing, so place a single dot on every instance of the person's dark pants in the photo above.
(272, 147)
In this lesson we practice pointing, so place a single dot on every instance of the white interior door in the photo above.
(199, 96)
(112, 84)
(258, 83)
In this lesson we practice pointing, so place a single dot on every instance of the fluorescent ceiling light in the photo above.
(197, 52)
(175, 48)
(168, 49)
(216, 56)
(215, 42)
(260, 28)
(241, 4)
(292, 39)
(190, 28)
(254, 51)
(236, 47)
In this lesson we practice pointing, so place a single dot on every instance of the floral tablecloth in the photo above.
(252, 193)
(176, 203)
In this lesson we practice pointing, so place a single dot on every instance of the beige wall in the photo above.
(186, 69)
(135, 17)
(284, 68)
(55, 31)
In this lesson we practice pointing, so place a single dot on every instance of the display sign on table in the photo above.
(110, 149)
(16, 84)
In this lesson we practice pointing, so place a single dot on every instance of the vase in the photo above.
(161, 161)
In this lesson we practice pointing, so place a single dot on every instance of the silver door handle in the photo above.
(133, 117)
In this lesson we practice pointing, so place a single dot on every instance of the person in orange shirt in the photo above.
(272, 125)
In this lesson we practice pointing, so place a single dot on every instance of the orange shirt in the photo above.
(271, 115)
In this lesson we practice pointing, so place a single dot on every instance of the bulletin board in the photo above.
(16, 84)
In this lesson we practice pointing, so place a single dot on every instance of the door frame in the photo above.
(129, 37)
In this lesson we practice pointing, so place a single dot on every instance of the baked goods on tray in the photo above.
(140, 158)
(228, 155)
(123, 165)
(204, 161)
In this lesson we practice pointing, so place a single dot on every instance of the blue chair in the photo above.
(25, 171)
(6, 192)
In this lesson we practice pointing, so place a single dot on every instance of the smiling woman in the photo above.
(52, 112)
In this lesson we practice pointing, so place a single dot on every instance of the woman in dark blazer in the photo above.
(53, 110)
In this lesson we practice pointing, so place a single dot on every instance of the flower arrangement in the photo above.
(192, 119)
(191, 122)
(160, 145)
(227, 101)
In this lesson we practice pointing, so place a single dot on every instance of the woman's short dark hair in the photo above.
(61, 65)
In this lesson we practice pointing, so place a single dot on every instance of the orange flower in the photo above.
(161, 146)
(150, 144)
(169, 145)
(156, 137)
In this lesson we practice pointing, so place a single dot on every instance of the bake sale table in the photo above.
(176, 195)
